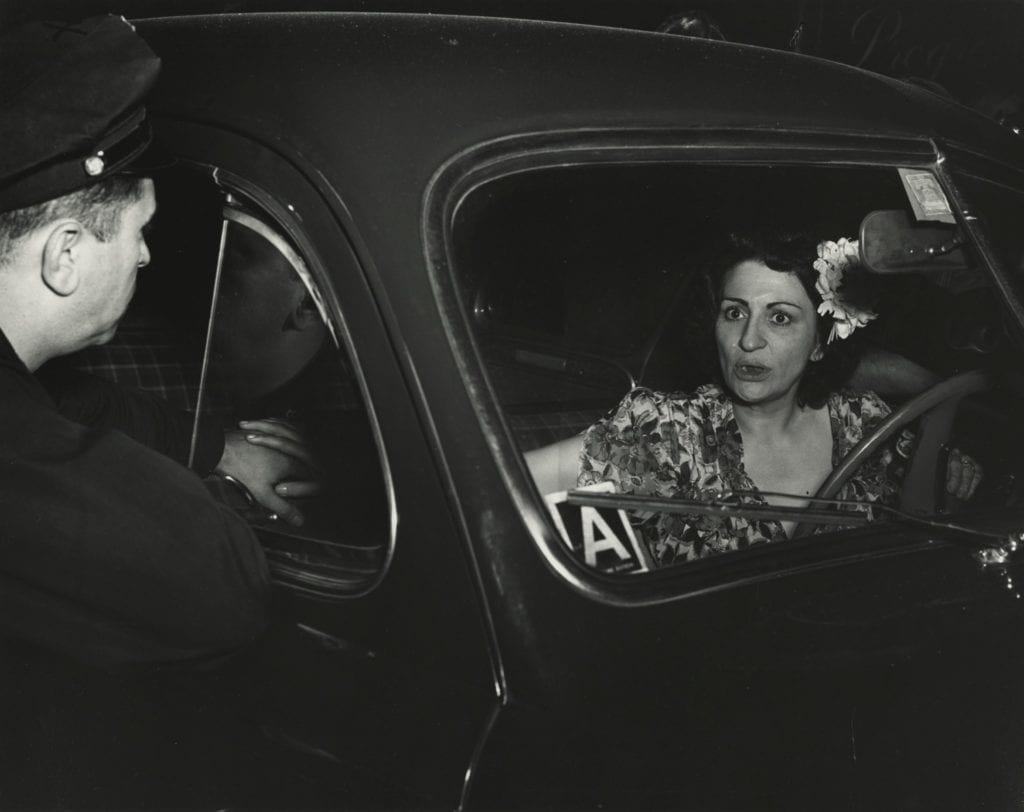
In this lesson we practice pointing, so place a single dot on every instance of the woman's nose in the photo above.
(752, 338)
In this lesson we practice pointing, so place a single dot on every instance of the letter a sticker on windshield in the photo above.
(601, 537)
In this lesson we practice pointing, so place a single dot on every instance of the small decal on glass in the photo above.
(926, 196)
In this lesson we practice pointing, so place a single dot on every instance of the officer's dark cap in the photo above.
(71, 111)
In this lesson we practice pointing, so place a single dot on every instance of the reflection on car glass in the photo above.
(267, 327)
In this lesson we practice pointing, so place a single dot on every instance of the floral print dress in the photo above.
(677, 445)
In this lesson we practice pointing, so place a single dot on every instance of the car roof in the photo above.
(432, 84)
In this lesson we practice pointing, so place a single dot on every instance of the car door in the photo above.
(815, 673)
(384, 668)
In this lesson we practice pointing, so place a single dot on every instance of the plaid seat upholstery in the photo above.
(150, 360)
(155, 361)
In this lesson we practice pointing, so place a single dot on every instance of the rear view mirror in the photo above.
(892, 242)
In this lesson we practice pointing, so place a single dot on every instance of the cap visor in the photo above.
(154, 157)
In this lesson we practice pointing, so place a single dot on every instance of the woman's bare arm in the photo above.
(891, 375)
(555, 467)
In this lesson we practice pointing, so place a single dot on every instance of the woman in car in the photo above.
(775, 423)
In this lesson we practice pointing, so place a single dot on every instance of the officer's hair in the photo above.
(98, 207)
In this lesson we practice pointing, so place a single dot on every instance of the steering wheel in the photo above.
(922, 484)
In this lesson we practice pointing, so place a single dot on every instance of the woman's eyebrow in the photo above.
(745, 303)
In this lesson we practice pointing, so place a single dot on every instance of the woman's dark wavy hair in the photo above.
(794, 253)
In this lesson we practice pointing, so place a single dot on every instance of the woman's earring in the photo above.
(817, 354)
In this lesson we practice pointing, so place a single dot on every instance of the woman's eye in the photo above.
(778, 317)
(732, 312)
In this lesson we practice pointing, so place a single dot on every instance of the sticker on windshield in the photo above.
(926, 196)
(601, 537)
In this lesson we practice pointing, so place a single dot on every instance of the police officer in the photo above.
(110, 550)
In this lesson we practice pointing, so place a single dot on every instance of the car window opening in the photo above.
(594, 284)
(230, 326)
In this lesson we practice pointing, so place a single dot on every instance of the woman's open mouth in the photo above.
(751, 372)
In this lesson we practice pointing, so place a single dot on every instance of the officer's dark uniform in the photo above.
(109, 550)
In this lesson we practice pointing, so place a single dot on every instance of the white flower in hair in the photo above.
(834, 259)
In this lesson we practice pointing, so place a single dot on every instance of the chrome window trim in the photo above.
(287, 221)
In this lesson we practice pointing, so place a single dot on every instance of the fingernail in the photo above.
(281, 489)
(244, 423)
(252, 437)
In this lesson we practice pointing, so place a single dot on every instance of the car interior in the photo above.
(582, 282)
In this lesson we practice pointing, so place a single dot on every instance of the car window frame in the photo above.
(954, 162)
(485, 162)
(285, 217)
(280, 216)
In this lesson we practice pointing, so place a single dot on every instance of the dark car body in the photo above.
(479, 664)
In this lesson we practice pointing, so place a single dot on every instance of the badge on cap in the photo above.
(94, 164)
(50, 83)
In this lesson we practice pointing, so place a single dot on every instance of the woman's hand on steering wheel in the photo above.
(963, 474)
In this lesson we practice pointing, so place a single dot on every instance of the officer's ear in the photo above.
(63, 256)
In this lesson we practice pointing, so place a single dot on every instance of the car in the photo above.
(494, 230)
